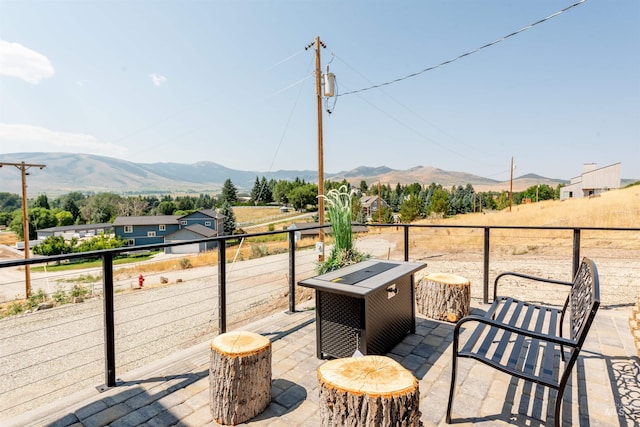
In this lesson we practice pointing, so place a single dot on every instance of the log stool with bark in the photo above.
(443, 296)
(368, 391)
(239, 376)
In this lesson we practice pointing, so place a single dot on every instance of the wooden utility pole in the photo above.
(25, 219)
(511, 186)
(317, 44)
(379, 204)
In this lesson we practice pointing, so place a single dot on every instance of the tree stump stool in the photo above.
(368, 391)
(443, 296)
(239, 376)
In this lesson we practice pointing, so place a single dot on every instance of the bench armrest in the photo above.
(514, 329)
(528, 277)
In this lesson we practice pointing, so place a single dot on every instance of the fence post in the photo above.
(222, 286)
(292, 271)
(406, 242)
(109, 323)
(485, 290)
(576, 251)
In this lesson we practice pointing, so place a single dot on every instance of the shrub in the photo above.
(15, 308)
(36, 298)
(60, 296)
(79, 291)
(185, 263)
(258, 251)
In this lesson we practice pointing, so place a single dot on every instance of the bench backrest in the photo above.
(584, 299)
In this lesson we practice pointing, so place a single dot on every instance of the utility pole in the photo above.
(511, 186)
(25, 219)
(317, 44)
(379, 204)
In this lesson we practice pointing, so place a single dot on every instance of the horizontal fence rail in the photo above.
(120, 326)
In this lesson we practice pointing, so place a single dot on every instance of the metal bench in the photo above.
(525, 340)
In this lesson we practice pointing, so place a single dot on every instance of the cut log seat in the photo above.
(368, 391)
(239, 376)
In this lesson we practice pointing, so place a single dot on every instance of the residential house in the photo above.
(592, 181)
(148, 230)
(371, 204)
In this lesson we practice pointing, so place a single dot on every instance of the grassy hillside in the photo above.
(616, 208)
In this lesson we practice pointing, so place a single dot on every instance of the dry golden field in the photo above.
(614, 209)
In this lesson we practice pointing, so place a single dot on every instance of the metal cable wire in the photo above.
(471, 52)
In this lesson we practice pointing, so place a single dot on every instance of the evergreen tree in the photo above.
(440, 203)
(229, 222)
(255, 192)
(410, 209)
(265, 191)
(229, 193)
(42, 202)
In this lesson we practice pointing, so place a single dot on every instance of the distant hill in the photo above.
(66, 172)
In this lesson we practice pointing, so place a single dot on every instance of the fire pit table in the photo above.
(368, 306)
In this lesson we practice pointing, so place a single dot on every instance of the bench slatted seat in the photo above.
(526, 340)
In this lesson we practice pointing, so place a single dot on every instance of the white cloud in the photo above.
(29, 138)
(24, 63)
(158, 79)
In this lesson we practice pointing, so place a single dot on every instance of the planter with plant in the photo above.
(343, 253)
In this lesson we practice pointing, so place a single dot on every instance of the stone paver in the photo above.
(604, 389)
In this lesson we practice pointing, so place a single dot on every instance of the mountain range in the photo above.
(67, 172)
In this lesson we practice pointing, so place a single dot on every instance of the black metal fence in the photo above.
(51, 353)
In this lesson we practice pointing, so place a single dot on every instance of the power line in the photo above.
(471, 52)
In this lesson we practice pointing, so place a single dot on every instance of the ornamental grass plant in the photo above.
(338, 203)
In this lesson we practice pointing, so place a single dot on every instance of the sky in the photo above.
(230, 82)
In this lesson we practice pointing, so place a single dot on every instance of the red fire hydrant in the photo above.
(140, 280)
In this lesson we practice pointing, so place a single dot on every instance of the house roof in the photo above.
(162, 219)
(78, 227)
(197, 229)
(367, 201)
(208, 212)
(146, 220)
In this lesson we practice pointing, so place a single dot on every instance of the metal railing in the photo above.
(287, 267)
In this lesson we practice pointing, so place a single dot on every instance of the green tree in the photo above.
(185, 203)
(266, 194)
(255, 192)
(385, 214)
(10, 202)
(281, 191)
(100, 208)
(38, 218)
(42, 202)
(364, 186)
(166, 208)
(229, 222)
(502, 201)
(304, 195)
(229, 193)
(410, 209)
(100, 242)
(539, 192)
(54, 245)
(71, 206)
(357, 213)
(440, 203)
(5, 218)
(64, 218)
